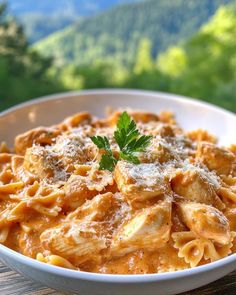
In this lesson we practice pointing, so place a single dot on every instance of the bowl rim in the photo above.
(120, 91)
(115, 278)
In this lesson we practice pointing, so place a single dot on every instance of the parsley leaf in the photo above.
(124, 121)
(138, 145)
(130, 157)
(107, 162)
(102, 143)
(126, 130)
(129, 140)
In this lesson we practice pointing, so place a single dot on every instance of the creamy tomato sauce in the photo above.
(175, 209)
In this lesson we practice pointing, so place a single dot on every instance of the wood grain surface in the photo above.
(12, 283)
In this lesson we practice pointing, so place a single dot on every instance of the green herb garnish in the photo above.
(108, 160)
(129, 140)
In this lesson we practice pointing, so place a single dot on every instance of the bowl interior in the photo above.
(190, 114)
(50, 110)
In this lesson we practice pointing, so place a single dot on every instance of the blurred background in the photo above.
(181, 46)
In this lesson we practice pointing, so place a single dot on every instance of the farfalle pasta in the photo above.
(196, 249)
(174, 208)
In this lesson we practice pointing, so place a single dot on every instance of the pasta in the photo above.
(175, 208)
(195, 249)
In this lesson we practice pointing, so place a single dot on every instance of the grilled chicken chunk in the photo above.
(147, 229)
(206, 221)
(194, 185)
(218, 159)
(41, 136)
(140, 182)
(77, 241)
(95, 209)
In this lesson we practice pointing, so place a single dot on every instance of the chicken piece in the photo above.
(73, 149)
(41, 136)
(197, 186)
(59, 160)
(148, 229)
(159, 151)
(140, 182)
(78, 241)
(206, 221)
(39, 162)
(95, 209)
(167, 149)
(221, 160)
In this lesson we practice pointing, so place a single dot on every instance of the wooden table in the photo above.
(12, 283)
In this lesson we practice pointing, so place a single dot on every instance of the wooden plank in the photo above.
(12, 283)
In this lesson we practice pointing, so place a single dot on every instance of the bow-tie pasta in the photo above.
(172, 208)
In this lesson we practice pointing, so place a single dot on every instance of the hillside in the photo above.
(38, 26)
(202, 66)
(115, 34)
(41, 18)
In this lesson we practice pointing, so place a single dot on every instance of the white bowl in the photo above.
(49, 110)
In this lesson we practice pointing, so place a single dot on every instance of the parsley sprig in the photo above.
(129, 140)
(108, 161)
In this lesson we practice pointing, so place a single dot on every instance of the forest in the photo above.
(114, 35)
(195, 57)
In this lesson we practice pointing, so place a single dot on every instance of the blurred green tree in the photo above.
(23, 72)
(204, 66)
(143, 62)
(172, 62)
